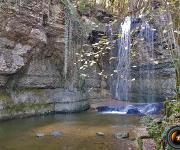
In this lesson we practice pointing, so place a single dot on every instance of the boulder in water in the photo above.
(132, 110)
(40, 135)
(100, 134)
(122, 135)
(55, 133)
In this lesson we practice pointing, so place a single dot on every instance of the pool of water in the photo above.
(78, 132)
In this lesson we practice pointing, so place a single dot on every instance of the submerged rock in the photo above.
(122, 135)
(100, 134)
(40, 135)
(55, 133)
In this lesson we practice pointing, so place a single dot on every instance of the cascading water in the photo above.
(147, 59)
(146, 78)
(124, 79)
(68, 33)
(123, 67)
(109, 33)
(70, 45)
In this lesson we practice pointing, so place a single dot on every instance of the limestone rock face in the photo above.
(40, 74)
(3, 80)
(28, 30)
(13, 56)
(32, 58)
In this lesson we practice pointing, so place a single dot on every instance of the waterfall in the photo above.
(69, 13)
(66, 37)
(147, 60)
(123, 66)
(109, 33)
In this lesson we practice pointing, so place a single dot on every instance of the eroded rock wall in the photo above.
(152, 73)
(32, 59)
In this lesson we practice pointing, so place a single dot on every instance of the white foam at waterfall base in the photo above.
(115, 112)
(142, 108)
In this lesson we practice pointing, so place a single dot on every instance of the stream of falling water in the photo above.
(68, 35)
(69, 73)
(110, 37)
(146, 63)
(123, 67)
(147, 59)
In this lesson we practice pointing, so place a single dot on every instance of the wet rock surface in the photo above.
(148, 144)
(55, 134)
(32, 59)
(40, 135)
(100, 134)
(122, 135)
(23, 34)
(141, 132)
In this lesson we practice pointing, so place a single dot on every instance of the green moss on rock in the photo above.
(24, 107)
(4, 96)
(37, 92)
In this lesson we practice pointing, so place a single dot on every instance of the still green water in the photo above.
(78, 132)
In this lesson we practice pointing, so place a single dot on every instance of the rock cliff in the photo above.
(38, 65)
(32, 59)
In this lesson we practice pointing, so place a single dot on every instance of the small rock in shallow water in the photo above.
(55, 133)
(40, 135)
(100, 134)
(121, 135)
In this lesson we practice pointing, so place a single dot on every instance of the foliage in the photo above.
(89, 59)
(117, 7)
(172, 108)
(84, 6)
(158, 130)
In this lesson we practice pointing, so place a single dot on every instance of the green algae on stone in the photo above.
(36, 91)
(4, 96)
(24, 107)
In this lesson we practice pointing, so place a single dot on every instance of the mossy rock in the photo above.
(4, 96)
(24, 107)
(37, 92)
